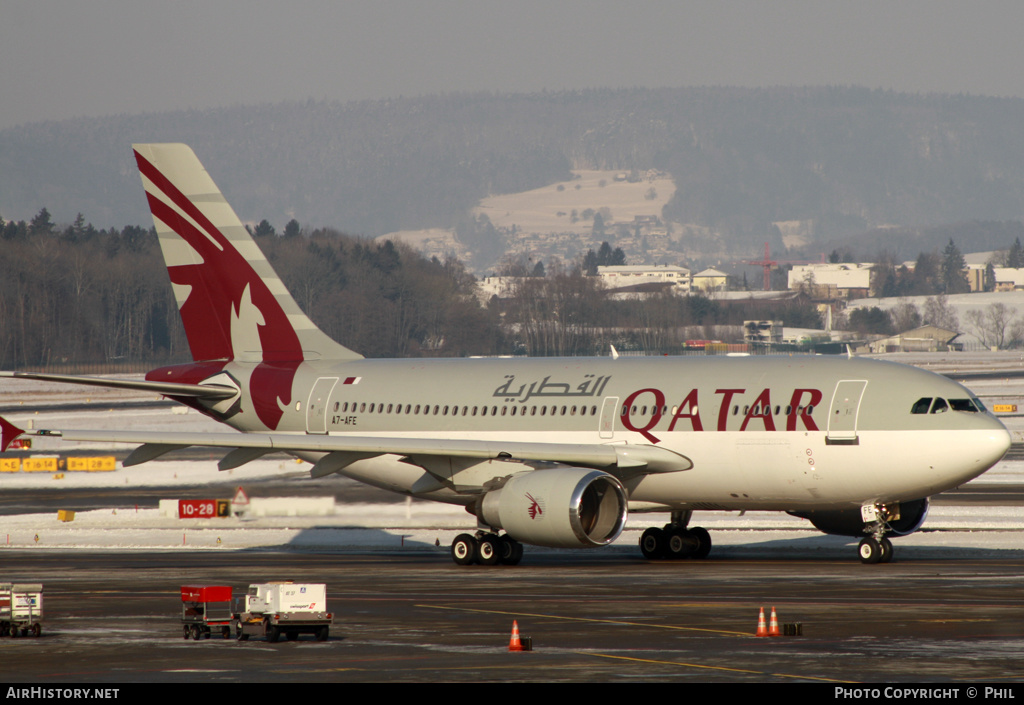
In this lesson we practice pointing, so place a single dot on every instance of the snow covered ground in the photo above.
(417, 525)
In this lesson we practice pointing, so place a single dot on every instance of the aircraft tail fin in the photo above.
(232, 303)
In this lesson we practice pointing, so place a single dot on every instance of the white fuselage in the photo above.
(762, 433)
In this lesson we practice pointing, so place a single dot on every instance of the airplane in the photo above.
(553, 452)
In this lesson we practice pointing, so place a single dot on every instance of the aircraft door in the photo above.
(842, 414)
(609, 409)
(316, 409)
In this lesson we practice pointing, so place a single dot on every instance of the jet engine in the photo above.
(848, 522)
(562, 507)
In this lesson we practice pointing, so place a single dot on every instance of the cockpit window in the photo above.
(921, 406)
(962, 405)
(938, 405)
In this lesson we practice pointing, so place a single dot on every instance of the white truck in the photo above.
(21, 609)
(282, 607)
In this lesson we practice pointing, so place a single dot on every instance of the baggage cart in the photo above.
(205, 610)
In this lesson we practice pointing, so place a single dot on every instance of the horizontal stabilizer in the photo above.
(170, 389)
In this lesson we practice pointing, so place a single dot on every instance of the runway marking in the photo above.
(586, 619)
(712, 668)
(949, 621)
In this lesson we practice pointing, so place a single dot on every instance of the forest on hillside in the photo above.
(73, 295)
(842, 160)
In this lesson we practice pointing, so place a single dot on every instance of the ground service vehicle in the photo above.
(284, 607)
(205, 610)
(21, 609)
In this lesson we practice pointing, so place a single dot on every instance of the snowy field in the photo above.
(961, 304)
(406, 525)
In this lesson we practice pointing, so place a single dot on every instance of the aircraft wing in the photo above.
(204, 391)
(622, 461)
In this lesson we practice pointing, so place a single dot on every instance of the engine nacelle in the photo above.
(563, 507)
(848, 522)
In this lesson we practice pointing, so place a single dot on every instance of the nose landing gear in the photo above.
(876, 548)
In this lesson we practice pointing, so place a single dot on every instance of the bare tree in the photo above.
(905, 316)
(996, 327)
(938, 312)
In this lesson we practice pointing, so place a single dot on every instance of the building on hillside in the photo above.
(1009, 279)
(502, 287)
(710, 280)
(622, 276)
(923, 339)
(828, 280)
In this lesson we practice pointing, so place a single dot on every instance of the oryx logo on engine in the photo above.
(536, 508)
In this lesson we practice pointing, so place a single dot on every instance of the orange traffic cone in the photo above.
(762, 628)
(773, 625)
(514, 644)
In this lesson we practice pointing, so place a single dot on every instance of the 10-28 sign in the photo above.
(197, 508)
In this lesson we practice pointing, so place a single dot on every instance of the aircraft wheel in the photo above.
(488, 551)
(679, 543)
(652, 543)
(510, 551)
(886, 550)
(703, 542)
(464, 549)
(869, 550)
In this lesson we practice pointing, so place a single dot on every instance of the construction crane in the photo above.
(767, 263)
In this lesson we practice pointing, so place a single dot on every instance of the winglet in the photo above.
(8, 432)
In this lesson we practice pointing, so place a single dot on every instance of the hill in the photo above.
(748, 165)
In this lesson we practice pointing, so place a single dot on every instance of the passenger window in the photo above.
(921, 406)
(939, 406)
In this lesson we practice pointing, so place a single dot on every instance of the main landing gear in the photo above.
(675, 540)
(486, 549)
(876, 548)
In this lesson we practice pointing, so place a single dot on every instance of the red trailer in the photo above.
(205, 609)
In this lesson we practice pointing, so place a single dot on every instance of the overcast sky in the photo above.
(69, 58)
